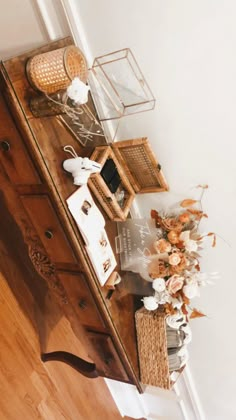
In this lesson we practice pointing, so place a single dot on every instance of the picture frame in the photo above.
(91, 224)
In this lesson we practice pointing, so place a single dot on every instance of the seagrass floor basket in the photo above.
(152, 348)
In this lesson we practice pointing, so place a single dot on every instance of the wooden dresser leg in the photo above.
(82, 366)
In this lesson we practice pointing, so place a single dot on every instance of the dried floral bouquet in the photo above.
(174, 266)
(174, 270)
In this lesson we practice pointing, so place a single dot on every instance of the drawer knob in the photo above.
(5, 146)
(48, 234)
(108, 359)
(82, 303)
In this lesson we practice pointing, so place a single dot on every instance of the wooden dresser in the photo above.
(34, 188)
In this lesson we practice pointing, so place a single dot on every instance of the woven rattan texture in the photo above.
(152, 348)
(140, 165)
(102, 192)
(54, 70)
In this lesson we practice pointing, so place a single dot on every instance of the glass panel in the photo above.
(119, 86)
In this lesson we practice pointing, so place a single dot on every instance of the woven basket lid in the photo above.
(140, 164)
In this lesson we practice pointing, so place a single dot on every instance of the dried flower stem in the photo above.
(204, 187)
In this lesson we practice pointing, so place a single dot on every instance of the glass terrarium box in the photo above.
(118, 86)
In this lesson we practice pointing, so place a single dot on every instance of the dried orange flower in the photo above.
(174, 259)
(184, 218)
(158, 268)
(188, 202)
(171, 223)
(162, 246)
(178, 269)
(173, 237)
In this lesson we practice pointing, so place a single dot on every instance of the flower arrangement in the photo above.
(174, 266)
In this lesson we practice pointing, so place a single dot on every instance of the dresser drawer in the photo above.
(105, 356)
(82, 300)
(48, 227)
(13, 153)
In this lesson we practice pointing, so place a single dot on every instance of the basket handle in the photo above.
(70, 149)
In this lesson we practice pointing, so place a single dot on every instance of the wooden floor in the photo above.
(30, 389)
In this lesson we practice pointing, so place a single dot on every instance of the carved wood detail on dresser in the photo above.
(35, 189)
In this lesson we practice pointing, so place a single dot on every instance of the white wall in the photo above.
(186, 50)
(22, 26)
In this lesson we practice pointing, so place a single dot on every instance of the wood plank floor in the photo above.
(30, 389)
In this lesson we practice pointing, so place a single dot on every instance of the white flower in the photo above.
(187, 332)
(162, 297)
(191, 290)
(174, 259)
(198, 278)
(190, 244)
(174, 283)
(150, 303)
(184, 355)
(162, 246)
(175, 321)
(159, 284)
(186, 328)
(183, 351)
(185, 235)
(176, 303)
(78, 91)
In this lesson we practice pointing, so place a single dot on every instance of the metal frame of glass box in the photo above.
(119, 86)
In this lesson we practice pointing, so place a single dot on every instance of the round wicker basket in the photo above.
(54, 70)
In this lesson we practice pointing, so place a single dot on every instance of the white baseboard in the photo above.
(128, 401)
(127, 398)
(186, 386)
